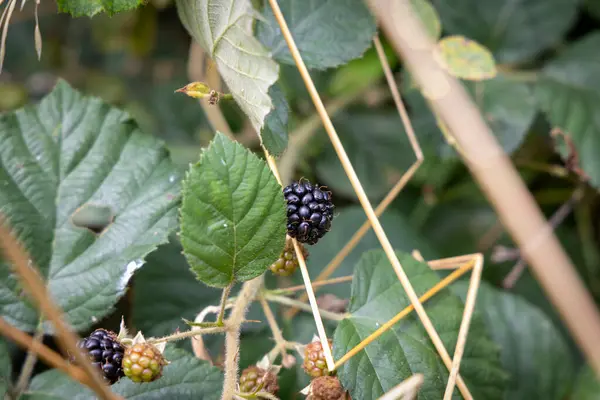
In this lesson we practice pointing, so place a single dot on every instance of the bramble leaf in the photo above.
(587, 386)
(275, 132)
(466, 59)
(224, 30)
(89, 8)
(57, 159)
(185, 378)
(328, 33)
(405, 349)
(5, 368)
(232, 216)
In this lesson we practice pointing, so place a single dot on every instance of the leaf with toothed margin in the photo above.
(274, 134)
(328, 33)
(58, 157)
(406, 349)
(224, 30)
(185, 378)
(233, 219)
(89, 8)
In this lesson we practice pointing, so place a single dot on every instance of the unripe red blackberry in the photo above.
(314, 363)
(287, 263)
(254, 379)
(326, 388)
(143, 362)
(309, 211)
(105, 352)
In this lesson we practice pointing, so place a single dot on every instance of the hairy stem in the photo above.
(188, 334)
(232, 339)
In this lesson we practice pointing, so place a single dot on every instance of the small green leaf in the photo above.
(466, 59)
(185, 378)
(377, 296)
(328, 33)
(166, 292)
(513, 31)
(5, 368)
(429, 17)
(275, 132)
(569, 93)
(532, 349)
(232, 216)
(587, 386)
(67, 154)
(89, 8)
(225, 32)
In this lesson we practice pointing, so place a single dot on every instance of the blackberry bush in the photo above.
(105, 352)
(309, 211)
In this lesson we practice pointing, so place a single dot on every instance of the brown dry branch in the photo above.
(36, 289)
(497, 177)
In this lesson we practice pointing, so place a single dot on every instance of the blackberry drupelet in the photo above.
(309, 211)
(105, 352)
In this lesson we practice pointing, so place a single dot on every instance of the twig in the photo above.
(279, 339)
(224, 297)
(497, 177)
(297, 288)
(39, 294)
(406, 390)
(303, 306)
(48, 355)
(189, 334)
(30, 361)
(232, 338)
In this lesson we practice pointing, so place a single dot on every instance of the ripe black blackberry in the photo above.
(309, 211)
(105, 352)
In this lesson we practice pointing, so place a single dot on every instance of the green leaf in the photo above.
(275, 132)
(89, 8)
(5, 368)
(68, 152)
(514, 31)
(569, 93)
(328, 33)
(429, 17)
(507, 105)
(165, 292)
(186, 377)
(232, 216)
(225, 32)
(587, 386)
(532, 348)
(377, 296)
(466, 59)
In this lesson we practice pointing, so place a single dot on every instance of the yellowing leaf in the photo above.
(466, 59)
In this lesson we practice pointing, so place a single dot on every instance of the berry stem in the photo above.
(232, 339)
(224, 297)
(279, 339)
(303, 306)
(188, 334)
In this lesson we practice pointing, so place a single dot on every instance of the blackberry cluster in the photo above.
(287, 263)
(327, 388)
(315, 364)
(143, 363)
(254, 378)
(105, 352)
(309, 211)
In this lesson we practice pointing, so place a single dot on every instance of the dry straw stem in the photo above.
(497, 177)
(48, 355)
(406, 177)
(279, 340)
(37, 291)
(407, 390)
(362, 196)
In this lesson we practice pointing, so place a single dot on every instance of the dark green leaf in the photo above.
(67, 152)
(587, 386)
(328, 33)
(569, 94)
(185, 378)
(89, 8)
(377, 296)
(232, 216)
(532, 350)
(275, 132)
(225, 32)
(514, 31)
(5, 368)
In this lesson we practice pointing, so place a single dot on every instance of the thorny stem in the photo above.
(188, 334)
(303, 306)
(224, 297)
(232, 339)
